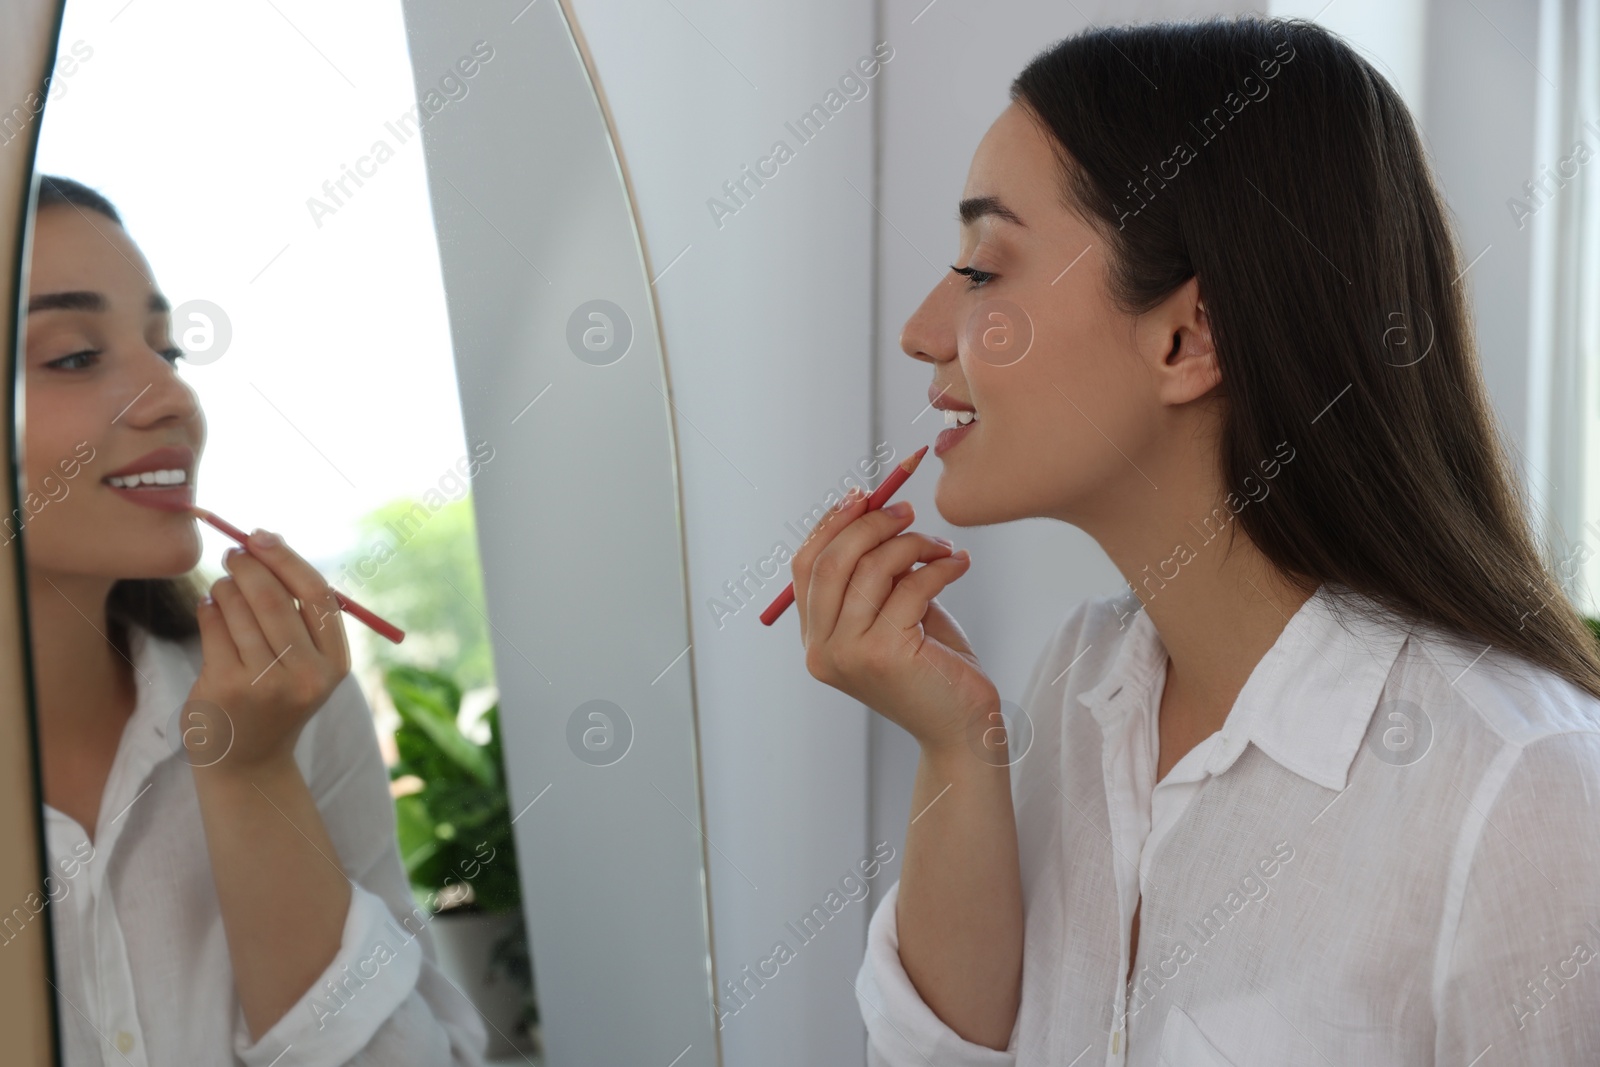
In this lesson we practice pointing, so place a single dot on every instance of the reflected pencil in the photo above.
(376, 623)
(880, 496)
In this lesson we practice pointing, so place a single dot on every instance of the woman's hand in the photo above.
(269, 663)
(871, 627)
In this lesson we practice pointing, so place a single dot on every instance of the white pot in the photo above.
(464, 943)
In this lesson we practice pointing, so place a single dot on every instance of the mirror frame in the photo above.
(29, 31)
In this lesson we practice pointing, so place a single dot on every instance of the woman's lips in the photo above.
(162, 479)
(167, 457)
(948, 439)
(161, 497)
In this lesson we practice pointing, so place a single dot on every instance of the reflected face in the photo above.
(1033, 342)
(113, 435)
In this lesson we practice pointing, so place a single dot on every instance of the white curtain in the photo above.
(1561, 206)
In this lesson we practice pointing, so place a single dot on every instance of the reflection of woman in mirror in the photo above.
(225, 880)
(1324, 785)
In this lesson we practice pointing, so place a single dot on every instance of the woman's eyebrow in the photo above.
(77, 300)
(974, 208)
(83, 300)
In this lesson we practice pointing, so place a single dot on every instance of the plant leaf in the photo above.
(429, 701)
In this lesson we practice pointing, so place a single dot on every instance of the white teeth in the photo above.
(959, 418)
(143, 478)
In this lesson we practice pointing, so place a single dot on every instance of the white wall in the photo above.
(766, 323)
(1479, 129)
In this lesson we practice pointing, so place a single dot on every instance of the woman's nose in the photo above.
(930, 334)
(156, 393)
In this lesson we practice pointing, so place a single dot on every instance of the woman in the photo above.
(1342, 736)
(225, 877)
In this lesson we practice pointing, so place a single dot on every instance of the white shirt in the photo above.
(1389, 854)
(143, 975)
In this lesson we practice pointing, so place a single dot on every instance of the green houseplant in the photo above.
(454, 830)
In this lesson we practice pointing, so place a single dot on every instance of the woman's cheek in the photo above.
(999, 333)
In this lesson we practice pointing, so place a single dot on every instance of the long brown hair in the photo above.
(1266, 158)
(163, 606)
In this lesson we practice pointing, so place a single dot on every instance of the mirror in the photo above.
(297, 265)
(561, 365)
(26, 57)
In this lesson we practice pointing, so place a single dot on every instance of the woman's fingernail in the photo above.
(266, 538)
(899, 509)
(945, 541)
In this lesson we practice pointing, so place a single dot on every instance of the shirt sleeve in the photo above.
(382, 1000)
(1522, 971)
(902, 1031)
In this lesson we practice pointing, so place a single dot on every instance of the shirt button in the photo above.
(124, 1042)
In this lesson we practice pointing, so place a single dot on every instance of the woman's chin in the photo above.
(978, 501)
(959, 508)
(171, 562)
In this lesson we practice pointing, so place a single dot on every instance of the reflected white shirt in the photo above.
(143, 975)
(1389, 854)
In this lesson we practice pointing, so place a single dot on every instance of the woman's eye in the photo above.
(75, 361)
(975, 277)
(172, 355)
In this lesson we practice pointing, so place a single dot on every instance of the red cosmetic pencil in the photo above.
(379, 625)
(880, 496)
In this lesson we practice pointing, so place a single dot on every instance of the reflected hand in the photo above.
(871, 627)
(269, 662)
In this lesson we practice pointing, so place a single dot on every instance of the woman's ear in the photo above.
(1189, 370)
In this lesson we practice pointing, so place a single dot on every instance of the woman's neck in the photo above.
(83, 684)
(1218, 607)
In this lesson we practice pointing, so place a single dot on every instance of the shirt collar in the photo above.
(1135, 665)
(164, 672)
(1307, 703)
